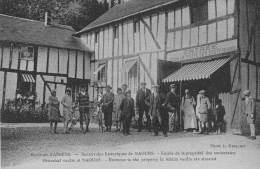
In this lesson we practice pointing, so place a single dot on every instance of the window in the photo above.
(199, 11)
(102, 74)
(96, 37)
(136, 26)
(132, 78)
(116, 32)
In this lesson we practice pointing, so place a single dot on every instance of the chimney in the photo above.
(47, 19)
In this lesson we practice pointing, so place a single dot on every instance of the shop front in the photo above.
(210, 69)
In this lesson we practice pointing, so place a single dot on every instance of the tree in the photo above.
(75, 14)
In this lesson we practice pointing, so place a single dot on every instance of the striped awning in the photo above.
(28, 78)
(128, 65)
(195, 71)
(98, 69)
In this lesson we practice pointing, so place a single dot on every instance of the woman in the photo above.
(53, 111)
(188, 103)
(67, 109)
(116, 110)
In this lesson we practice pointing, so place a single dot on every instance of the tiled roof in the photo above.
(124, 10)
(35, 32)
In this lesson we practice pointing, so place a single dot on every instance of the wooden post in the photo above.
(4, 89)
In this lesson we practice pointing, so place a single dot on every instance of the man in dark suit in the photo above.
(173, 105)
(107, 107)
(141, 95)
(157, 111)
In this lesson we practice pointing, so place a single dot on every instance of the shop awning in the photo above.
(98, 69)
(28, 78)
(128, 65)
(195, 71)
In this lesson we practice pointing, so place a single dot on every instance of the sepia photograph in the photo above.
(112, 84)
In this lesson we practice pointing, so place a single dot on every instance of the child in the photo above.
(219, 113)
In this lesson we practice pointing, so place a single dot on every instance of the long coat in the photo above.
(155, 106)
(250, 110)
(205, 105)
(127, 107)
(53, 108)
(141, 95)
(172, 101)
(107, 98)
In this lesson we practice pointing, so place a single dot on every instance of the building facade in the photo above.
(36, 57)
(202, 44)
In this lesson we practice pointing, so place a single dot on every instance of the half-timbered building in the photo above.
(197, 44)
(36, 57)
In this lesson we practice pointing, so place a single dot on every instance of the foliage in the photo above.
(23, 114)
(75, 14)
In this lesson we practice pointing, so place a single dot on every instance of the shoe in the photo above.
(249, 137)
(139, 130)
(253, 138)
(87, 130)
(117, 130)
(125, 134)
(165, 135)
(171, 131)
(155, 134)
(55, 132)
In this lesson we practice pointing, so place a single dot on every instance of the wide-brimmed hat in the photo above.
(53, 90)
(155, 86)
(143, 83)
(173, 86)
(202, 92)
(124, 84)
(68, 90)
(246, 92)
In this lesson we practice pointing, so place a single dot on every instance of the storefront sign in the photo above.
(203, 51)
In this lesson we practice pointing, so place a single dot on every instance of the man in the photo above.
(124, 88)
(107, 108)
(250, 113)
(116, 109)
(127, 108)
(204, 110)
(141, 95)
(67, 109)
(172, 104)
(83, 103)
(157, 111)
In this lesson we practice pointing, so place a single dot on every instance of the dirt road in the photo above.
(32, 146)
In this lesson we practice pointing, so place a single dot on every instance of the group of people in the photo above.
(163, 113)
